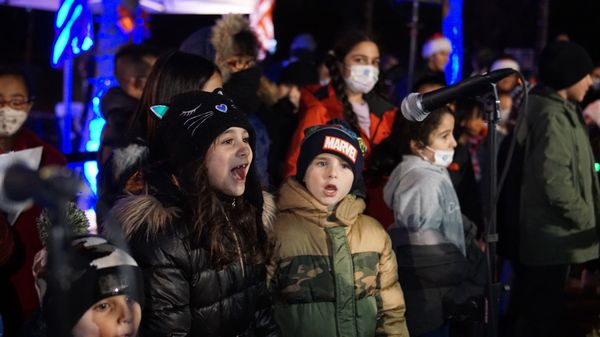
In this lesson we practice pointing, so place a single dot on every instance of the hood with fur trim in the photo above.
(222, 39)
(145, 213)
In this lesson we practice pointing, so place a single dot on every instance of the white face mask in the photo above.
(11, 121)
(362, 78)
(442, 158)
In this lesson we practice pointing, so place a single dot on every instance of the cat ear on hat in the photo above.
(159, 110)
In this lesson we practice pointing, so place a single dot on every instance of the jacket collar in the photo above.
(377, 104)
(294, 197)
(572, 109)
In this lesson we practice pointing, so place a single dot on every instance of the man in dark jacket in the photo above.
(559, 204)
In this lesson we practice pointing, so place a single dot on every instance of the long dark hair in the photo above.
(173, 73)
(388, 154)
(219, 221)
(334, 62)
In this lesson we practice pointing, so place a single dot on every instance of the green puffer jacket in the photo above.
(333, 273)
(559, 194)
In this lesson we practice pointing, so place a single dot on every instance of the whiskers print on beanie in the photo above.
(197, 120)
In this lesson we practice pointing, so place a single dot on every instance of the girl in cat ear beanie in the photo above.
(200, 233)
(333, 271)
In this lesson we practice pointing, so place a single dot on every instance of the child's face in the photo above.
(473, 126)
(228, 161)
(116, 316)
(364, 53)
(328, 178)
(441, 138)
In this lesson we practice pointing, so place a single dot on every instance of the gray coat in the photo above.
(425, 205)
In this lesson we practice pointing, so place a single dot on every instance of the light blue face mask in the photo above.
(442, 158)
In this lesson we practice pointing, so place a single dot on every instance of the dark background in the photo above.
(26, 36)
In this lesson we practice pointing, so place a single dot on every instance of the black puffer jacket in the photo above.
(184, 296)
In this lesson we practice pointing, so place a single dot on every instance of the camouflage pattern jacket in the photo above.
(333, 272)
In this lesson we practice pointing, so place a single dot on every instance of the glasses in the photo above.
(15, 103)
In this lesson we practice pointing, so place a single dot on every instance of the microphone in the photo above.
(49, 186)
(416, 107)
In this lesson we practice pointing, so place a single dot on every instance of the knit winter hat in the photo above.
(98, 270)
(563, 63)
(436, 43)
(335, 139)
(193, 121)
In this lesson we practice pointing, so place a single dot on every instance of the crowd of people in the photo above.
(232, 204)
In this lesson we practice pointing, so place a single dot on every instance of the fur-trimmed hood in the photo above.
(145, 213)
(222, 39)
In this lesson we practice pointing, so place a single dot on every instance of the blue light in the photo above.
(87, 43)
(74, 46)
(62, 13)
(95, 127)
(452, 27)
(74, 30)
(90, 171)
(65, 34)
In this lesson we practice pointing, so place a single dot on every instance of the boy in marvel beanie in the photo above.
(333, 272)
(104, 290)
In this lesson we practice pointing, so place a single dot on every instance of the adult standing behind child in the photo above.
(333, 272)
(198, 230)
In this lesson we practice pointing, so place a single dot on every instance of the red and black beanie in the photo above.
(337, 139)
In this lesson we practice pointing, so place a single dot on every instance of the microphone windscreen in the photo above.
(412, 108)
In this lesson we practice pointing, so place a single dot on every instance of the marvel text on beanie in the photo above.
(335, 139)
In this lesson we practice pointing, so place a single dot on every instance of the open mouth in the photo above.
(330, 190)
(239, 172)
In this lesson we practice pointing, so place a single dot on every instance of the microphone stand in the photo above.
(494, 288)
(58, 268)
(63, 189)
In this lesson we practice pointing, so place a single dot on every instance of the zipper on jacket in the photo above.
(238, 246)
